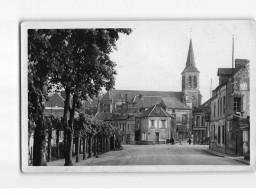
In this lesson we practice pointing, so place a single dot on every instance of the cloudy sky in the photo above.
(154, 55)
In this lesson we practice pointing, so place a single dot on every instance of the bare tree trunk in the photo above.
(77, 148)
(65, 125)
(69, 150)
(106, 144)
(57, 143)
(102, 145)
(68, 159)
(95, 146)
(49, 148)
(90, 147)
(80, 146)
(84, 147)
(39, 143)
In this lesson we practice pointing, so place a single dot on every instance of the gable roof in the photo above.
(133, 94)
(55, 101)
(154, 111)
(172, 102)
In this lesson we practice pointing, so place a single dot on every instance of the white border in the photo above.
(165, 168)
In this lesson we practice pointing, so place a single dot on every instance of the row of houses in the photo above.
(225, 117)
(230, 110)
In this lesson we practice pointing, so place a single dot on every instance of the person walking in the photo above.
(180, 141)
(189, 141)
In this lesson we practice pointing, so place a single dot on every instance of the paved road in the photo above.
(156, 155)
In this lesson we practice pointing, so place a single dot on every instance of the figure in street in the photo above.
(189, 141)
(180, 141)
(172, 141)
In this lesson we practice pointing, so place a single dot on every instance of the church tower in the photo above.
(190, 81)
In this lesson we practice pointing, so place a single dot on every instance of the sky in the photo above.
(153, 56)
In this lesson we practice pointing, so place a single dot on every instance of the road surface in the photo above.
(155, 155)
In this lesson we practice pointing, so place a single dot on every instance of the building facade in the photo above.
(201, 124)
(230, 110)
(154, 126)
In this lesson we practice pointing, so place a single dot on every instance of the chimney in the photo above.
(240, 62)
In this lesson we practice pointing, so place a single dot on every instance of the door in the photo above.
(157, 138)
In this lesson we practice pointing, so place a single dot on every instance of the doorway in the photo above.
(157, 138)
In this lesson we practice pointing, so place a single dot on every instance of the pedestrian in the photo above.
(172, 140)
(189, 141)
(180, 141)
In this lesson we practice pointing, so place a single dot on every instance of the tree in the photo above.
(74, 59)
(81, 65)
(57, 125)
(38, 70)
(49, 128)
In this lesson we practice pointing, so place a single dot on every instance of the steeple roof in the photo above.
(190, 64)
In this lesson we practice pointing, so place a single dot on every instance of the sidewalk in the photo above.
(237, 158)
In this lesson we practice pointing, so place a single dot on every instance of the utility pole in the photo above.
(232, 53)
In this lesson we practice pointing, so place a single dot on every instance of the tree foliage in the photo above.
(76, 60)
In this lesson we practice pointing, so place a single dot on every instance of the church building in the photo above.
(179, 104)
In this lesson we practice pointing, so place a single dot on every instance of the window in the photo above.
(223, 134)
(137, 123)
(219, 134)
(214, 132)
(195, 82)
(143, 136)
(221, 106)
(203, 121)
(163, 123)
(128, 127)
(197, 121)
(214, 110)
(152, 123)
(224, 104)
(218, 107)
(190, 81)
(237, 104)
(184, 118)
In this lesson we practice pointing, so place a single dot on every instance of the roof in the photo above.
(225, 71)
(147, 101)
(204, 107)
(125, 114)
(133, 94)
(55, 101)
(103, 115)
(190, 64)
(154, 111)
(172, 102)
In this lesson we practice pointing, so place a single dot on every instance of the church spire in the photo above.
(190, 57)
(190, 64)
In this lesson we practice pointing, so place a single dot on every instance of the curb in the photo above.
(230, 157)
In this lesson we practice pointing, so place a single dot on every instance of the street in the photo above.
(155, 155)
